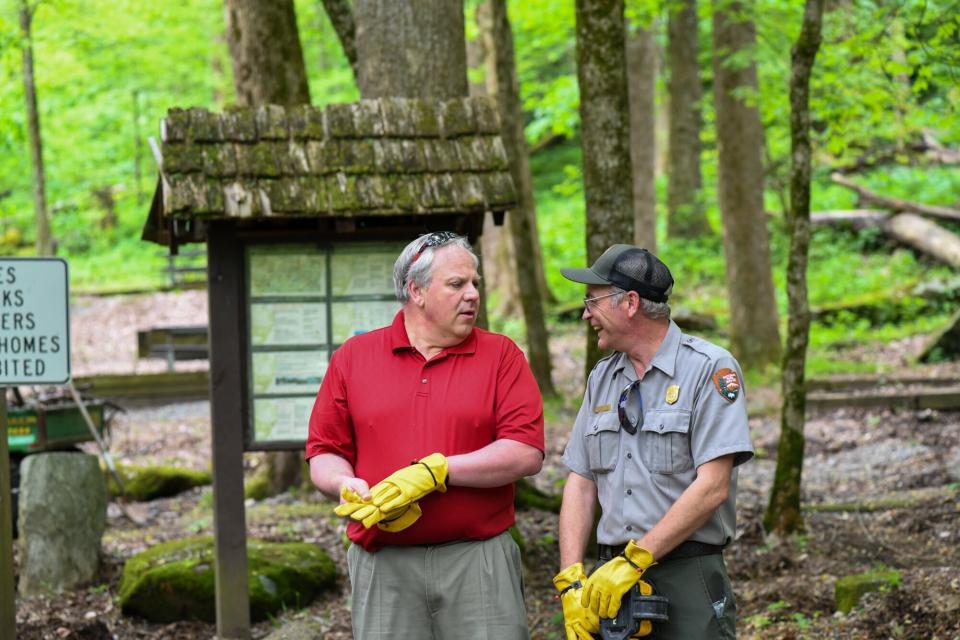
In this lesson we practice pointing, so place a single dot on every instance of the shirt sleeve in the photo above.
(519, 406)
(720, 415)
(575, 454)
(331, 430)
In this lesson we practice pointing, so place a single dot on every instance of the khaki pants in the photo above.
(470, 590)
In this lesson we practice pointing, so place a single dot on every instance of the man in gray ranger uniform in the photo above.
(659, 437)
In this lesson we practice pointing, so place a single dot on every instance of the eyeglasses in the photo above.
(435, 240)
(591, 303)
(629, 425)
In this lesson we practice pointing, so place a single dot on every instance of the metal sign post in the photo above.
(34, 349)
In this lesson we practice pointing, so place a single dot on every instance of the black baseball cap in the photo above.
(630, 268)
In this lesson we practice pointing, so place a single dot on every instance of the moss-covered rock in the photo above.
(175, 580)
(849, 589)
(528, 496)
(149, 483)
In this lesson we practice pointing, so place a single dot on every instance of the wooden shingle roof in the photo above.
(389, 156)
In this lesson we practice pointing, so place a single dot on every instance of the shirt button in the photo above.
(629, 528)
(629, 455)
(424, 381)
(629, 492)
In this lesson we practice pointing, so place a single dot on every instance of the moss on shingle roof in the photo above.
(389, 156)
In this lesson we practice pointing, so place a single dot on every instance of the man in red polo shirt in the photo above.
(420, 430)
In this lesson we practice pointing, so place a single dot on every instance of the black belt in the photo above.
(688, 549)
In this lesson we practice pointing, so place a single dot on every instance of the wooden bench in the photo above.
(173, 343)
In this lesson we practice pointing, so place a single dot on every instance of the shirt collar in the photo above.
(399, 340)
(664, 359)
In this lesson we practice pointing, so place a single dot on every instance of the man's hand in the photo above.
(579, 622)
(362, 510)
(409, 484)
(604, 589)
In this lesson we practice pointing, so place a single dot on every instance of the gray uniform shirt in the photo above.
(693, 412)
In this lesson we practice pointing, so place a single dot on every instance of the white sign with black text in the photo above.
(34, 321)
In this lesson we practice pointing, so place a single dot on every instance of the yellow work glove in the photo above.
(400, 519)
(411, 483)
(364, 512)
(580, 623)
(606, 586)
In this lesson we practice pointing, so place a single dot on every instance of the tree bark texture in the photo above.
(496, 242)
(44, 238)
(753, 309)
(604, 132)
(265, 49)
(522, 219)
(268, 68)
(642, 82)
(411, 49)
(687, 217)
(341, 17)
(784, 514)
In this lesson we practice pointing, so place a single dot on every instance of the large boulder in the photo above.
(175, 580)
(62, 516)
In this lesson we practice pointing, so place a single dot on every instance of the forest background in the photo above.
(885, 83)
(886, 80)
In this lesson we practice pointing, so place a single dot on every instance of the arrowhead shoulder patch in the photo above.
(727, 383)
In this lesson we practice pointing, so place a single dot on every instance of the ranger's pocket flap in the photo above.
(666, 421)
(604, 422)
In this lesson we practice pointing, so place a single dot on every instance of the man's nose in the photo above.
(586, 312)
(472, 292)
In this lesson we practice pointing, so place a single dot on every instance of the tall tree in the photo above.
(268, 68)
(783, 513)
(411, 49)
(642, 82)
(44, 242)
(522, 219)
(753, 309)
(687, 217)
(604, 131)
(265, 49)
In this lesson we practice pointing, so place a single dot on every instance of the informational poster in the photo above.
(303, 302)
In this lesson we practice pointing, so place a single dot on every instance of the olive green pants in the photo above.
(701, 602)
(471, 590)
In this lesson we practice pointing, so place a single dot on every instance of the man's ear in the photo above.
(633, 303)
(416, 293)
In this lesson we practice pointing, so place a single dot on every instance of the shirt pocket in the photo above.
(603, 442)
(665, 441)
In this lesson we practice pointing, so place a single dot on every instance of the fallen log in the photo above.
(945, 345)
(856, 218)
(896, 204)
(926, 236)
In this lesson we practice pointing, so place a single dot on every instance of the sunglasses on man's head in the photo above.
(436, 239)
(628, 424)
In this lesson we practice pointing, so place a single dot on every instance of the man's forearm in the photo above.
(500, 462)
(576, 518)
(328, 472)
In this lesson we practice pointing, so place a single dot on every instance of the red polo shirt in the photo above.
(382, 405)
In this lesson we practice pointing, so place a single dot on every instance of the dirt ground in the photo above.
(880, 490)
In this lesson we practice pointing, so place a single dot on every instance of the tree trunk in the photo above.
(268, 68)
(44, 241)
(497, 242)
(642, 83)
(604, 132)
(522, 219)
(265, 49)
(411, 49)
(783, 512)
(753, 309)
(687, 218)
(341, 17)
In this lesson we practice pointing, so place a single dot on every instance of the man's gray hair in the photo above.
(650, 309)
(416, 265)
